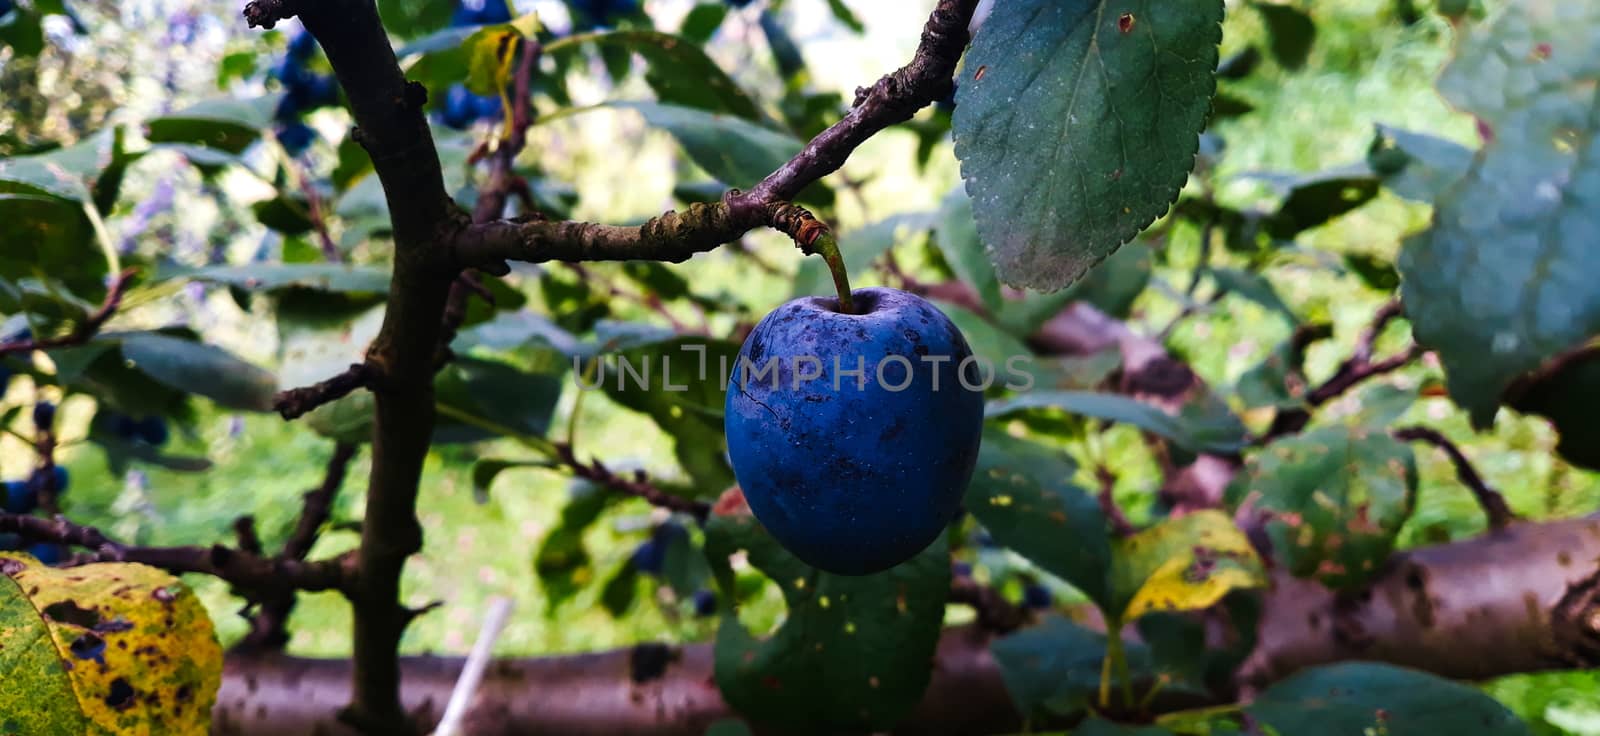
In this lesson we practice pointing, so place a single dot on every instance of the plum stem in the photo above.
(827, 246)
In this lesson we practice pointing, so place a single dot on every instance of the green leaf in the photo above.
(1335, 498)
(1211, 430)
(504, 395)
(1022, 493)
(1279, 380)
(226, 124)
(1499, 283)
(1077, 122)
(46, 236)
(1254, 287)
(958, 239)
(703, 21)
(1111, 286)
(1292, 33)
(69, 173)
(620, 591)
(681, 383)
(562, 562)
(841, 13)
(677, 69)
(1102, 727)
(1181, 564)
(1052, 668)
(853, 652)
(727, 726)
(86, 635)
(1366, 697)
(485, 470)
(1311, 200)
(735, 151)
(1570, 399)
(269, 277)
(198, 368)
(1417, 166)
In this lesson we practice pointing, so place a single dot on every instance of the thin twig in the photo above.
(268, 626)
(638, 486)
(1494, 505)
(1108, 502)
(242, 569)
(297, 402)
(84, 330)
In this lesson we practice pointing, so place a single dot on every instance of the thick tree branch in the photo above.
(391, 126)
(243, 570)
(83, 331)
(1494, 505)
(1522, 599)
(675, 236)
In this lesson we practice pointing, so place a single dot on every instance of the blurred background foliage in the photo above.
(1373, 61)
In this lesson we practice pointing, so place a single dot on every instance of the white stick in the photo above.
(472, 672)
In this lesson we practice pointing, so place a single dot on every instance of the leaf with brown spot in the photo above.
(1182, 564)
(104, 649)
(841, 633)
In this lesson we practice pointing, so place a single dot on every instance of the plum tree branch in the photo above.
(675, 236)
(297, 402)
(242, 569)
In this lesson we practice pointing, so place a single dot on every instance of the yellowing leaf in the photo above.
(491, 53)
(104, 649)
(1182, 564)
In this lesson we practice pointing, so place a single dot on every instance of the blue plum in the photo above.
(44, 415)
(296, 137)
(49, 554)
(853, 436)
(481, 12)
(153, 430)
(20, 498)
(1037, 597)
(705, 603)
(460, 107)
(648, 557)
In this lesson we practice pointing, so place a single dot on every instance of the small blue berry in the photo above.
(648, 557)
(322, 91)
(459, 107)
(303, 46)
(61, 479)
(20, 498)
(153, 430)
(705, 603)
(44, 415)
(296, 137)
(1037, 597)
(49, 554)
(487, 107)
(961, 570)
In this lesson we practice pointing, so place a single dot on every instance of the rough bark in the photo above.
(1522, 599)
